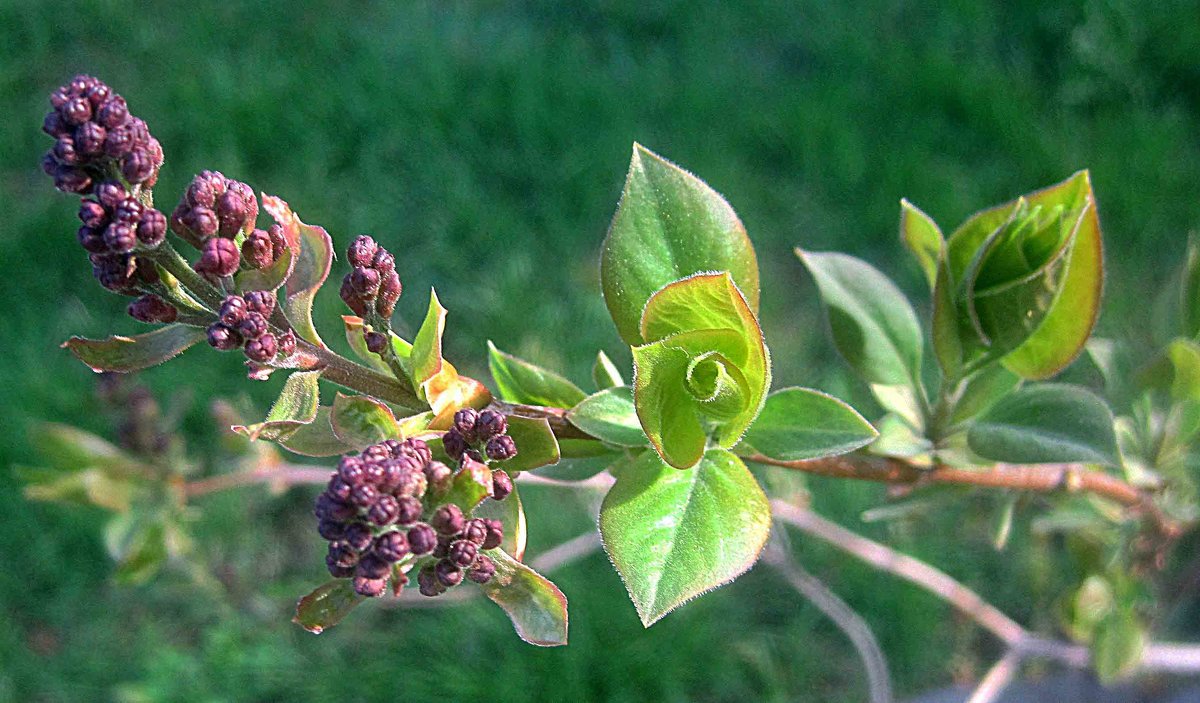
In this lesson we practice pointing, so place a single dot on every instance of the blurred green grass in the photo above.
(486, 144)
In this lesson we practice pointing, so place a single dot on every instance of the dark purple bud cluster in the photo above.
(475, 435)
(216, 207)
(243, 323)
(97, 139)
(152, 309)
(263, 247)
(372, 286)
(374, 514)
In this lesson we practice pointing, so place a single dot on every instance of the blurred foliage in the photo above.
(488, 143)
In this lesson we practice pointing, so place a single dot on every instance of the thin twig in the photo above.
(879, 686)
(279, 474)
(997, 679)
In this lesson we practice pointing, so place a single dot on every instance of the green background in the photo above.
(486, 144)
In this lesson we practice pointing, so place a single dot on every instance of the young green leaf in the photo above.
(1119, 645)
(873, 324)
(296, 405)
(522, 382)
(706, 367)
(326, 606)
(1185, 360)
(536, 444)
(122, 354)
(360, 421)
(537, 608)
(982, 390)
(605, 373)
(470, 485)
(668, 225)
(138, 545)
(426, 360)
(313, 261)
(69, 448)
(610, 416)
(316, 438)
(82, 486)
(1047, 423)
(511, 512)
(923, 238)
(674, 535)
(800, 423)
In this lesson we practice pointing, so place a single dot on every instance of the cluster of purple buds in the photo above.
(97, 139)
(475, 435)
(372, 286)
(373, 516)
(243, 323)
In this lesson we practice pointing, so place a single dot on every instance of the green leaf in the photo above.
(1185, 359)
(70, 448)
(609, 415)
(902, 401)
(296, 405)
(605, 373)
(426, 359)
(89, 486)
(536, 444)
(923, 238)
(522, 382)
(1047, 423)
(873, 324)
(674, 535)
(1119, 645)
(510, 512)
(800, 423)
(316, 438)
(668, 225)
(982, 390)
(537, 608)
(469, 486)
(354, 337)
(122, 354)
(313, 261)
(327, 605)
(1190, 290)
(361, 421)
(269, 278)
(140, 552)
(706, 367)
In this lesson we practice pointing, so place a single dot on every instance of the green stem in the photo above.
(383, 326)
(356, 377)
(171, 260)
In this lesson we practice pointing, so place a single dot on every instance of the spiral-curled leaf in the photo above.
(705, 368)
(669, 225)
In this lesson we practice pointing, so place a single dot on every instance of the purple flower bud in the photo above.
(287, 344)
(343, 554)
(475, 530)
(418, 448)
(113, 112)
(119, 237)
(447, 573)
(438, 474)
(374, 471)
(223, 337)
(389, 293)
(391, 547)
(92, 213)
(252, 325)
(502, 484)
(361, 251)
(111, 194)
(152, 229)
(464, 422)
(118, 142)
(372, 566)
(137, 166)
(376, 342)
(76, 111)
(384, 512)
(219, 257)
(233, 309)
(98, 94)
(71, 180)
(490, 424)
(60, 96)
(64, 150)
(448, 519)
(327, 508)
(338, 489)
(428, 583)
(55, 125)
(358, 536)
(128, 211)
(200, 193)
(421, 539)
(201, 220)
(371, 588)
(151, 308)
(338, 572)
(383, 262)
(261, 302)
(114, 271)
(89, 139)
(49, 164)
(462, 553)
(232, 211)
(454, 443)
(257, 250)
(351, 299)
(483, 570)
(92, 240)
(364, 495)
(350, 469)
(501, 448)
(331, 530)
(495, 535)
(262, 349)
(408, 510)
(364, 282)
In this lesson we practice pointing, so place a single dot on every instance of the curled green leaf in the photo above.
(327, 605)
(360, 421)
(122, 354)
(537, 608)
(296, 405)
